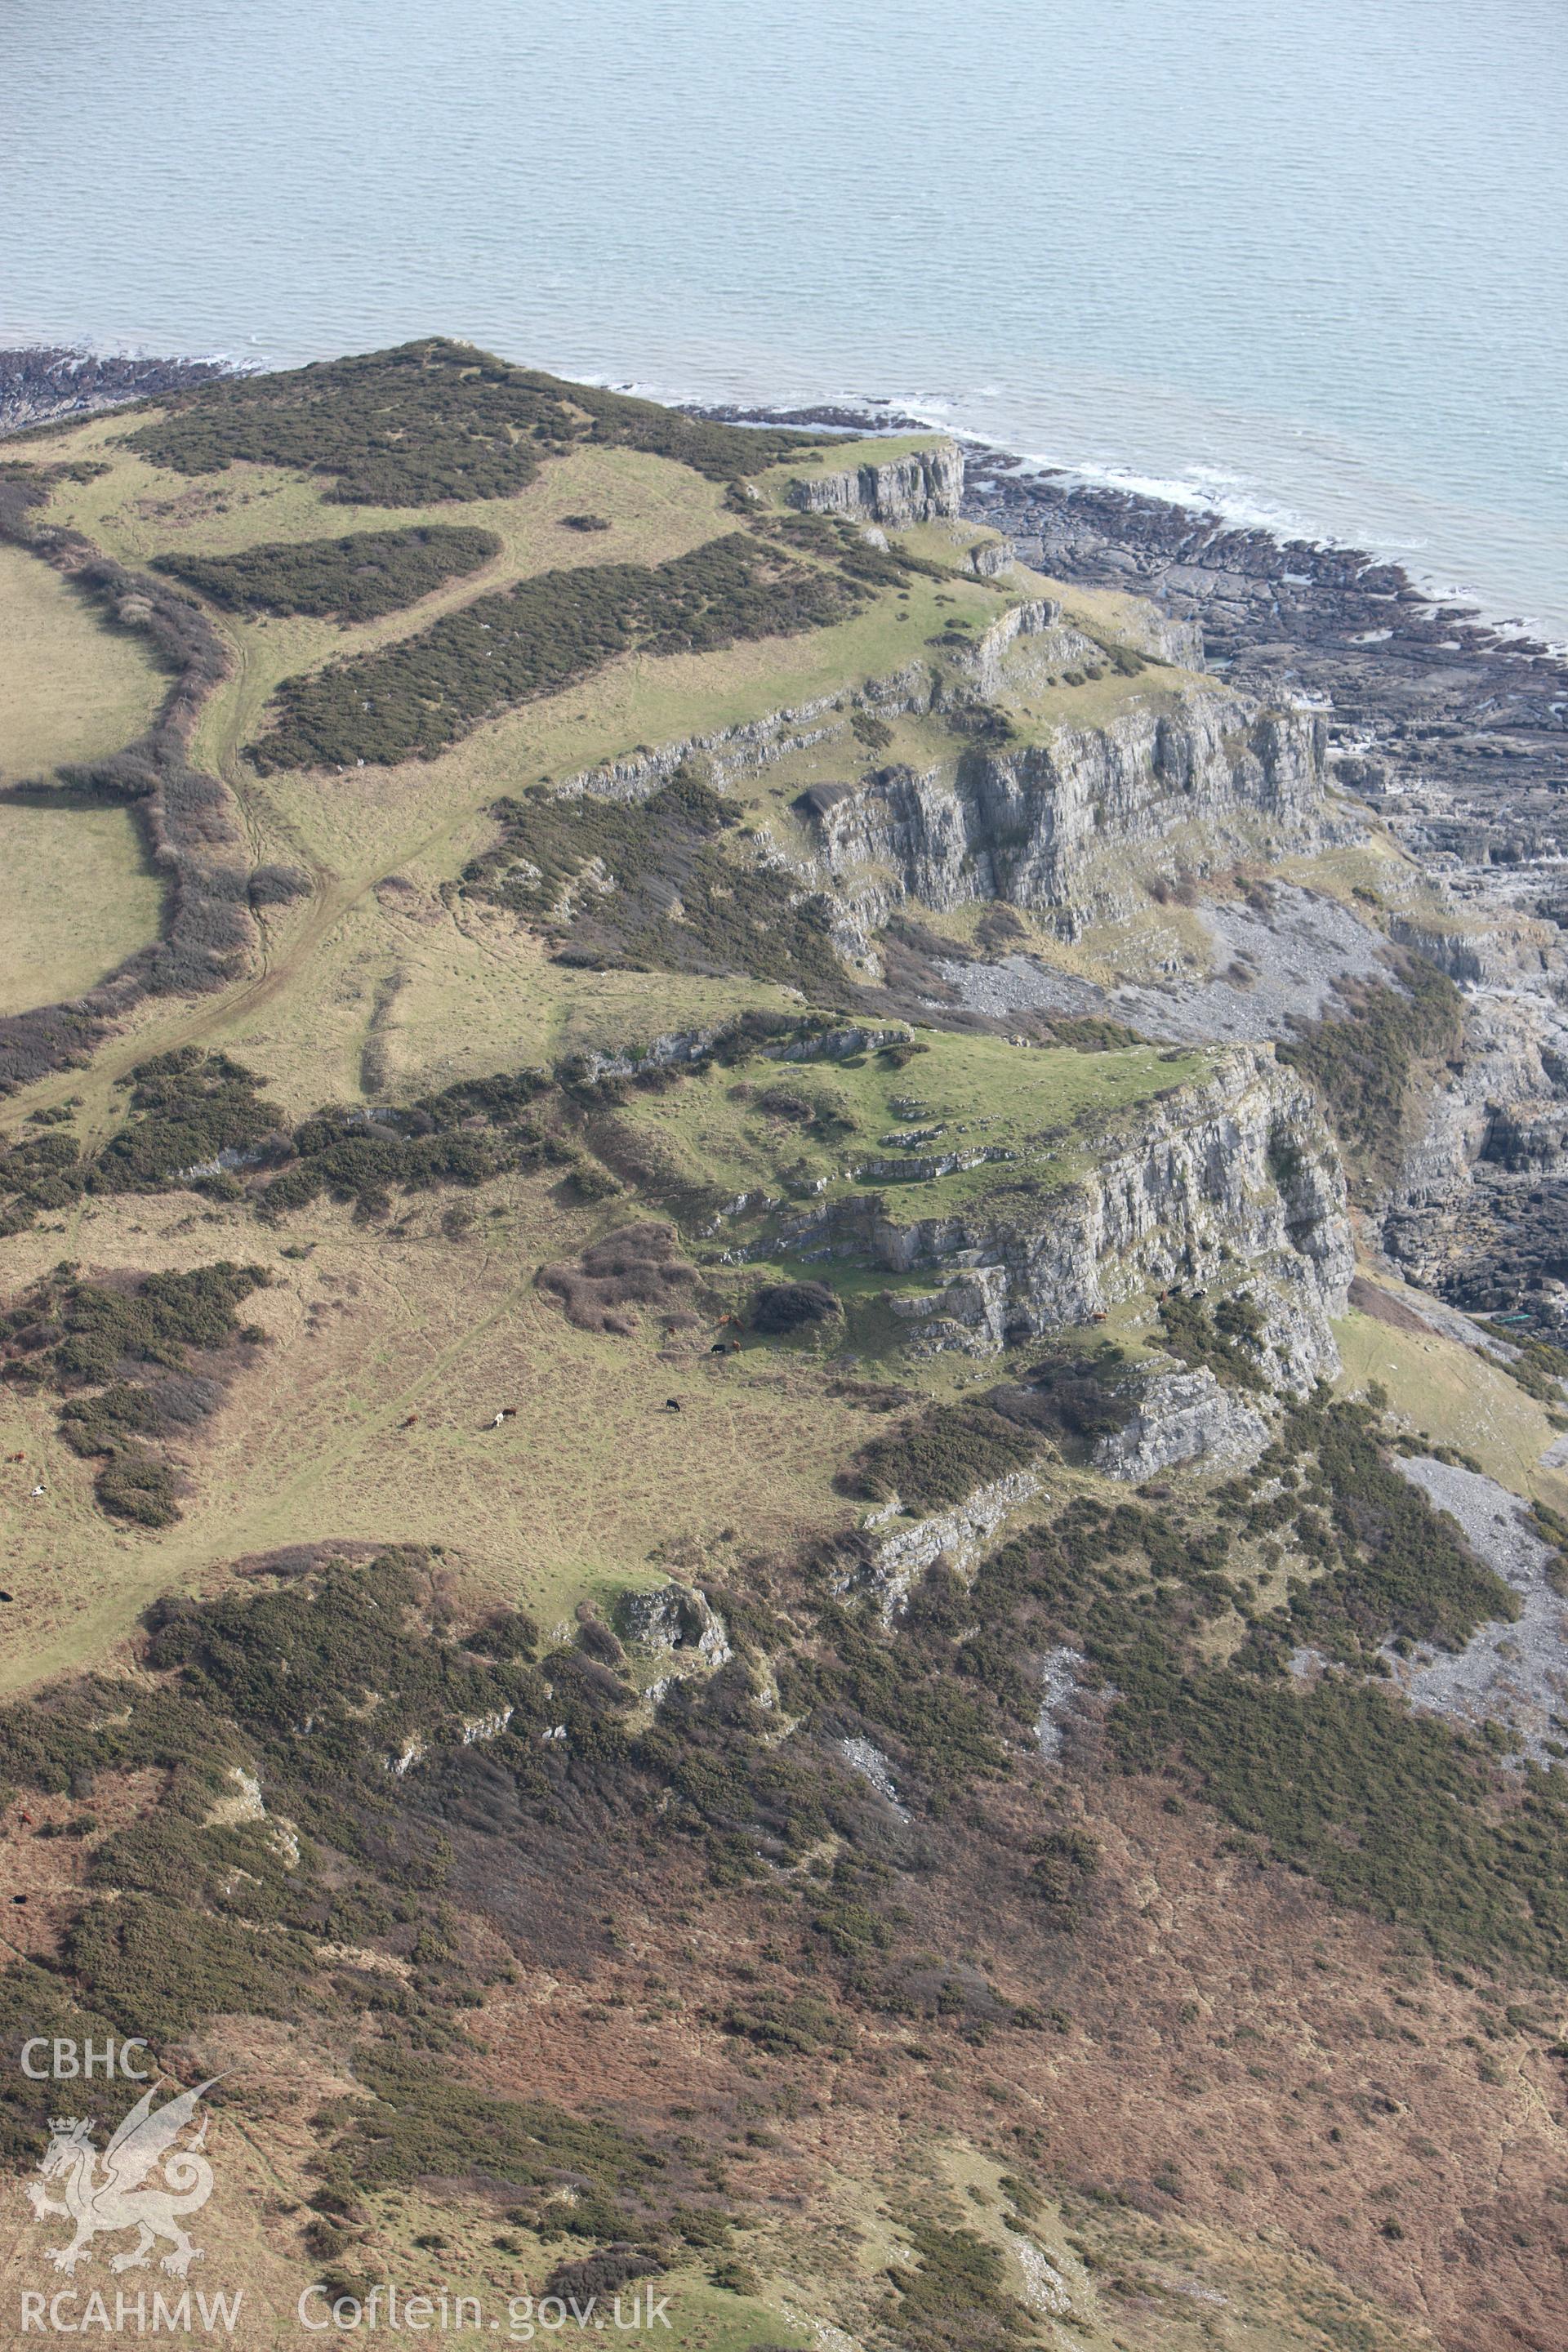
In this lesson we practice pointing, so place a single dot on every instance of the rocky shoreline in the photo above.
(48, 385)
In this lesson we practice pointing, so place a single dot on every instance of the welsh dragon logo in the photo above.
(120, 2196)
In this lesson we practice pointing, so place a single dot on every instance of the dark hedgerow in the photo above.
(410, 699)
(277, 884)
(183, 816)
(432, 421)
(353, 579)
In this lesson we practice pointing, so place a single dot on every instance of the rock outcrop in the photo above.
(1031, 644)
(679, 1621)
(49, 383)
(1058, 826)
(1181, 1417)
(954, 1537)
(1183, 772)
(1233, 1181)
(925, 487)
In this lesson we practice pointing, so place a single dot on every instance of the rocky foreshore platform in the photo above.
(48, 384)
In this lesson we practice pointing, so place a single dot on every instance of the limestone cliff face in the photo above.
(1516, 1049)
(1234, 1181)
(1183, 772)
(925, 487)
(1494, 1129)
(1058, 825)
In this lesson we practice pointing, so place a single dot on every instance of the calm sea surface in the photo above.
(1305, 257)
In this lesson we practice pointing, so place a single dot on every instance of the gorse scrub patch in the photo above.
(438, 1140)
(954, 2299)
(200, 1120)
(552, 840)
(797, 2026)
(415, 2125)
(1226, 1342)
(187, 1108)
(843, 542)
(464, 1134)
(406, 1786)
(311, 1693)
(134, 1485)
(36, 1172)
(1396, 1813)
(940, 1457)
(353, 579)
(1395, 1565)
(1062, 1872)
(312, 1689)
(71, 1337)
(1363, 1065)
(410, 699)
(431, 421)
(786, 1306)
(653, 885)
(74, 1333)
(1538, 1368)
(940, 1712)
(1392, 1812)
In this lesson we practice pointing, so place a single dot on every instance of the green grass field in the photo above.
(1458, 1396)
(76, 899)
(71, 687)
(1038, 1106)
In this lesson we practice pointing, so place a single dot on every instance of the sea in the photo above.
(1299, 260)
